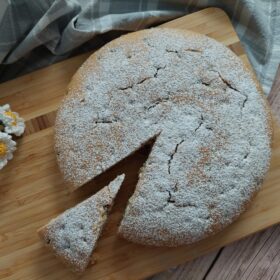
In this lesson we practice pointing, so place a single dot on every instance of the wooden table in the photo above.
(255, 257)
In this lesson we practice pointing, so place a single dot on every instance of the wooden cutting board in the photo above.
(32, 190)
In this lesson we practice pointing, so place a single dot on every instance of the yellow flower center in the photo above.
(13, 116)
(3, 149)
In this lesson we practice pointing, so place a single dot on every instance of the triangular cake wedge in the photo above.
(73, 235)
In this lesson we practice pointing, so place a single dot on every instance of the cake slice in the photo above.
(73, 235)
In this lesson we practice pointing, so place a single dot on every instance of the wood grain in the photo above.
(194, 270)
(32, 190)
(256, 257)
(274, 95)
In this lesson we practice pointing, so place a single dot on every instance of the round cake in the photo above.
(200, 105)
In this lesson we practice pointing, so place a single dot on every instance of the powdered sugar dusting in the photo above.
(192, 93)
(73, 234)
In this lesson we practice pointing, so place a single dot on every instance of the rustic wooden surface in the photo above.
(254, 257)
(32, 190)
(274, 95)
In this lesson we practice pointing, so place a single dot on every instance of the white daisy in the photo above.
(13, 124)
(7, 147)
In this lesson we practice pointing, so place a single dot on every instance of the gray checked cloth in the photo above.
(36, 33)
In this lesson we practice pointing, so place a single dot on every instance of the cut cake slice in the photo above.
(73, 235)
